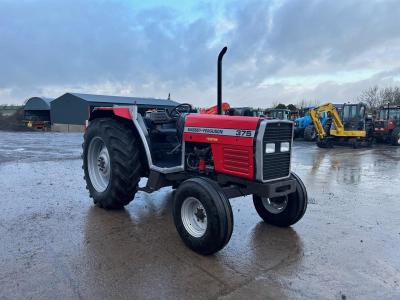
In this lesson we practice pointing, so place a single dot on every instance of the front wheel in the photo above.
(310, 133)
(202, 215)
(286, 210)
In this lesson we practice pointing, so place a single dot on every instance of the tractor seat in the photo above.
(165, 129)
(158, 117)
(160, 123)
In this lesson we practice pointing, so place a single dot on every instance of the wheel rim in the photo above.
(275, 205)
(99, 165)
(194, 217)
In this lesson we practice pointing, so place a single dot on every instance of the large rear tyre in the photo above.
(310, 134)
(111, 162)
(202, 215)
(286, 210)
(395, 137)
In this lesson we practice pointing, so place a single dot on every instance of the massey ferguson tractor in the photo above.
(207, 158)
(387, 125)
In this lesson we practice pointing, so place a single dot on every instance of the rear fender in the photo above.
(102, 112)
(129, 115)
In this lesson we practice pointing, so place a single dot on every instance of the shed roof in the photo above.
(123, 100)
(38, 103)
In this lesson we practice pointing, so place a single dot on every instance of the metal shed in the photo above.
(74, 108)
(37, 112)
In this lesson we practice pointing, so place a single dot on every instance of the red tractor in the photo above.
(387, 125)
(207, 158)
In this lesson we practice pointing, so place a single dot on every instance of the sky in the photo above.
(279, 51)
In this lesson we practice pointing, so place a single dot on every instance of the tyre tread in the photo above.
(124, 153)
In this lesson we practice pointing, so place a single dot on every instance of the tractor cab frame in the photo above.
(387, 125)
(278, 114)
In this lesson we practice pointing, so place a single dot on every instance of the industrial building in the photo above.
(70, 111)
(37, 112)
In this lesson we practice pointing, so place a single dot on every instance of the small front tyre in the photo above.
(286, 210)
(202, 215)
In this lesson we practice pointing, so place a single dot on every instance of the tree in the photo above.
(280, 106)
(375, 97)
(307, 103)
(292, 107)
(390, 95)
(371, 97)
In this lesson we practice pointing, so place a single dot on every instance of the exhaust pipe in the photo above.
(219, 96)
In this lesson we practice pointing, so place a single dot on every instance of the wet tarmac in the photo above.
(55, 244)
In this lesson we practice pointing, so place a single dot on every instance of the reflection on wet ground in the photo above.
(55, 243)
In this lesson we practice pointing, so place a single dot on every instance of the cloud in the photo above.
(278, 50)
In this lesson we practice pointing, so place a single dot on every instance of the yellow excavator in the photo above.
(349, 125)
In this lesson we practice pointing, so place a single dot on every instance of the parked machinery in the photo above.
(351, 126)
(213, 110)
(208, 158)
(278, 114)
(387, 125)
(304, 127)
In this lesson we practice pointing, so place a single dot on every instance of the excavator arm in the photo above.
(331, 110)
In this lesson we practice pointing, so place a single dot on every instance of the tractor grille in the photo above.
(277, 165)
(380, 124)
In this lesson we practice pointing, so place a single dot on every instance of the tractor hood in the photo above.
(302, 122)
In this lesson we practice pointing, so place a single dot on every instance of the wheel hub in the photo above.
(103, 161)
(200, 214)
(275, 205)
(194, 217)
(99, 166)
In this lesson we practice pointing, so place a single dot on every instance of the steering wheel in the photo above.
(180, 109)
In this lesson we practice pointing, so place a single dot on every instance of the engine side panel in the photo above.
(221, 121)
(231, 139)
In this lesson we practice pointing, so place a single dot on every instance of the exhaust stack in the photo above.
(219, 96)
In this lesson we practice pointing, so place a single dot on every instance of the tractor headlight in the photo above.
(270, 148)
(285, 147)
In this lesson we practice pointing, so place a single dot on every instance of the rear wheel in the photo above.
(309, 133)
(286, 210)
(202, 215)
(111, 162)
(354, 142)
(396, 136)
